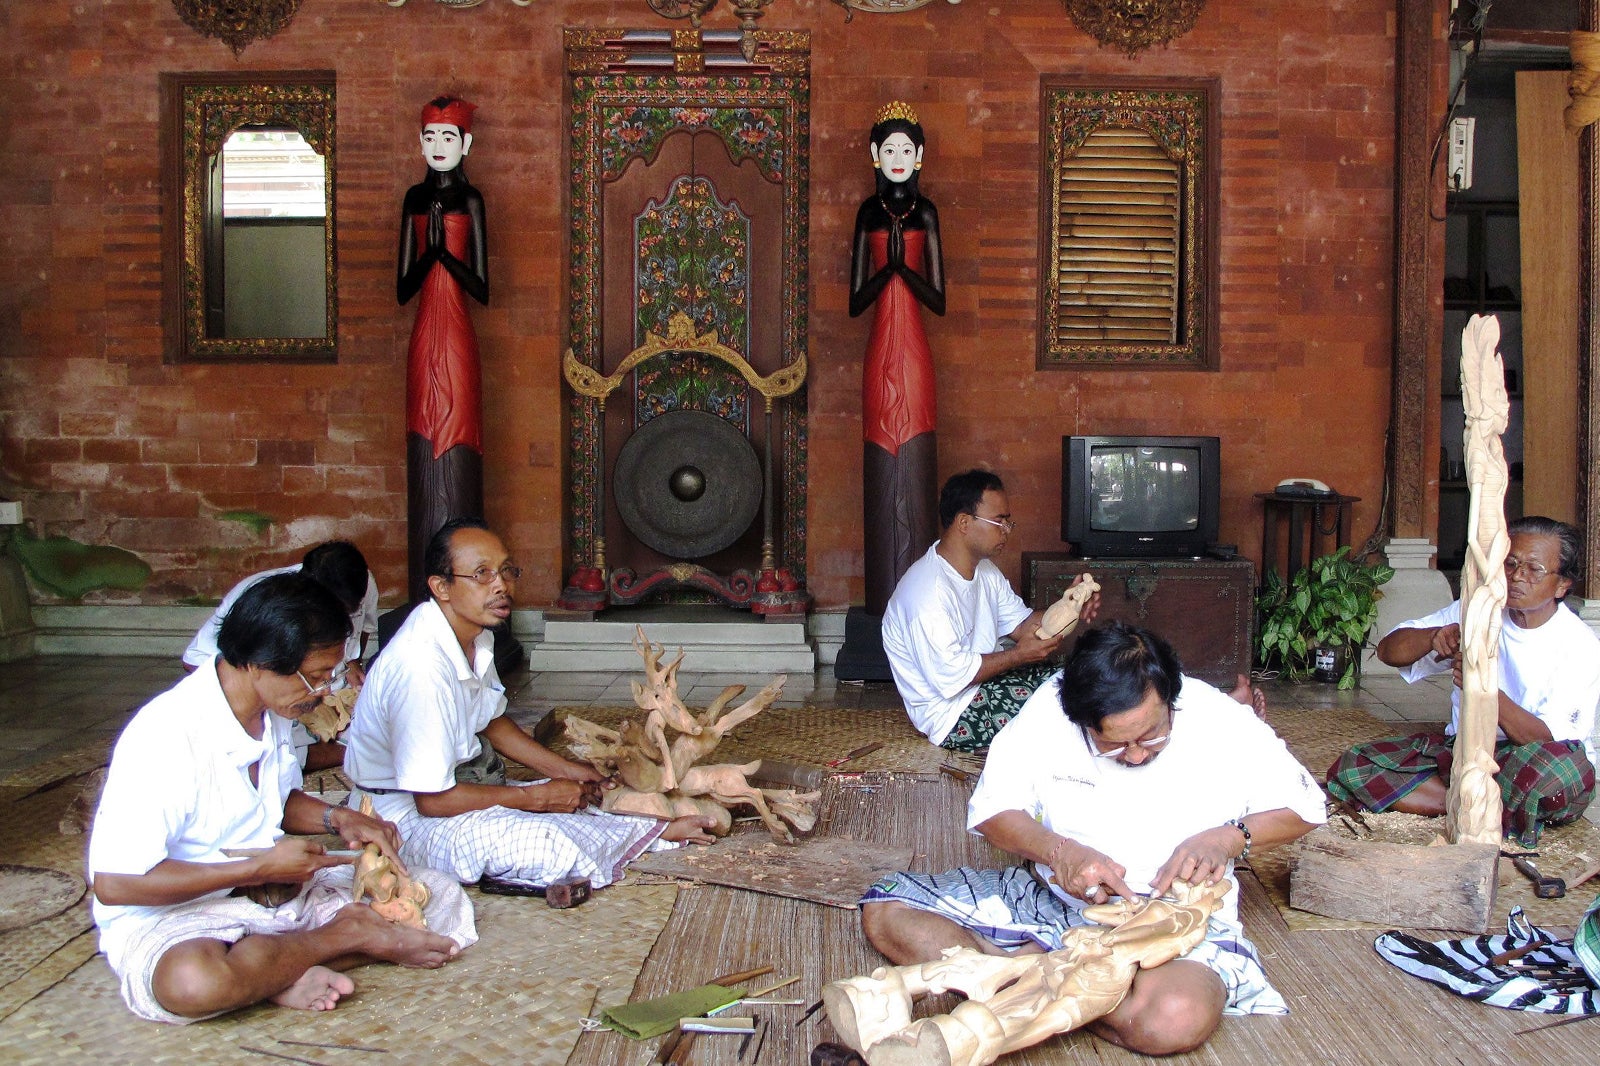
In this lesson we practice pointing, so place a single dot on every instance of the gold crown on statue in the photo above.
(897, 109)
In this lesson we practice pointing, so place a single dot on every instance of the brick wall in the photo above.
(107, 443)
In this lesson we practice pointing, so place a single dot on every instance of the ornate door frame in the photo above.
(627, 90)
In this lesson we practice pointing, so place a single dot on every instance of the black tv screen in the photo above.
(1140, 496)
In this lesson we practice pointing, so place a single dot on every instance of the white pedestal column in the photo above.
(1415, 590)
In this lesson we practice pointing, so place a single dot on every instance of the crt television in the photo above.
(1140, 496)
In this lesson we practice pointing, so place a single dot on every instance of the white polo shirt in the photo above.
(1222, 763)
(420, 712)
(364, 620)
(179, 787)
(937, 629)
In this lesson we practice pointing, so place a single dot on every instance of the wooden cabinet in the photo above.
(1204, 607)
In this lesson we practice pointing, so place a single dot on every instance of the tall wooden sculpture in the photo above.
(444, 259)
(1473, 807)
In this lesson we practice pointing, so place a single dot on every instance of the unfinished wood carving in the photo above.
(394, 895)
(1015, 1001)
(1062, 616)
(329, 718)
(662, 780)
(1473, 805)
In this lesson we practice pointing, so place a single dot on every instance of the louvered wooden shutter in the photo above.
(1117, 242)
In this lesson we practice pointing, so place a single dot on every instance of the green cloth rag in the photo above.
(652, 1017)
(1586, 942)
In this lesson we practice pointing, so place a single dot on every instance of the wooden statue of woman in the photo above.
(443, 256)
(897, 267)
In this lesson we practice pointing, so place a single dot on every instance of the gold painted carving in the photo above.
(587, 381)
(237, 23)
(1131, 26)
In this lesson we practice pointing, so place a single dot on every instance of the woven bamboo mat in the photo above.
(515, 996)
(804, 736)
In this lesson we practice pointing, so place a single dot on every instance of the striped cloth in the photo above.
(1548, 783)
(1465, 968)
(1012, 908)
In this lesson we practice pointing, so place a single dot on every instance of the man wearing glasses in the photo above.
(204, 904)
(1549, 686)
(430, 733)
(1119, 780)
(944, 624)
(340, 567)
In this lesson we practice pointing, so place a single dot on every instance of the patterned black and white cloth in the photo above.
(1559, 984)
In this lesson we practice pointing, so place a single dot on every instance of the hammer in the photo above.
(1543, 887)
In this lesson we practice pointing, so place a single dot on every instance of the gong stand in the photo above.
(661, 486)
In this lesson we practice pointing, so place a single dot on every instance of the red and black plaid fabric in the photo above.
(1541, 784)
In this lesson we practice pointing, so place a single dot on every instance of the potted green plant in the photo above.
(1328, 606)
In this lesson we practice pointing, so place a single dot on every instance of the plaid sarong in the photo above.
(1546, 783)
(996, 702)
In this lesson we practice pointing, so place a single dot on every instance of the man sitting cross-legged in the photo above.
(1119, 780)
(943, 628)
(203, 904)
(430, 729)
(1549, 684)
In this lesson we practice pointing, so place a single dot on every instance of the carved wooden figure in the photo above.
(394, 895)
(665, 780)
(1062, 616)
(1473, 805)
(1015, 1001)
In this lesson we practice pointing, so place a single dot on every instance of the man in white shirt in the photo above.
(1121, 779)
(430, 729)
(1549, 688)
(342, 569)
(202, 902)
(944, 623)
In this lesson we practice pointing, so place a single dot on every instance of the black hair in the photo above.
(964, 491)
(1540, 526)
(436, 558)
(1112, 669)
(279, 621)
(341, 568)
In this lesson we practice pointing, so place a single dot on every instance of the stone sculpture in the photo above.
(1015, 1001)
(659, 779)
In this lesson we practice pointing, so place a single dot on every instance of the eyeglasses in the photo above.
(1535, 571)
(485, 575)
(1154, 744)
(1003, 523)
(327, 686)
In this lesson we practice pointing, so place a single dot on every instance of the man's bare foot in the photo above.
(383, 939)
(319, 988)
(690, 829)
(1250, 696)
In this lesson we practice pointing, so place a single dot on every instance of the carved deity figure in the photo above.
(1015, 1001)
(444, 258)
(1473, 804)
(897, 268)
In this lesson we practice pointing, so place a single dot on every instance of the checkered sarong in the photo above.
(1011, 908)
(1546, 783)
(996, 702)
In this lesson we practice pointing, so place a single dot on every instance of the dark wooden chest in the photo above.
(1204, 607)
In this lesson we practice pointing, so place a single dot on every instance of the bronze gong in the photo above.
(687, 483)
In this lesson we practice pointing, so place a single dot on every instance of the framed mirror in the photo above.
(1128, 256)
(248, 216)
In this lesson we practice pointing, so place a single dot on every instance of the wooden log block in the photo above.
(1448, 886)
